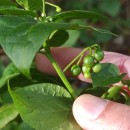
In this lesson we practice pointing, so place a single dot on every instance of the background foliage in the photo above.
(117, 11)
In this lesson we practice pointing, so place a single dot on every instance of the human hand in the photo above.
(92, 113)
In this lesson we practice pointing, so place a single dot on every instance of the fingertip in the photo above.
(92, 113)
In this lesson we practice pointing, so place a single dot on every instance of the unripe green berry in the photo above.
(87, 75)
(97, 68)
(75, 70)
(86, 69)
(98, 55)
(58, 9)
(88, 61)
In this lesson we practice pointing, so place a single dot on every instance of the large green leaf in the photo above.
(35, 4)
(10, 10)
(24, 126)
(10, 72)
(69, 124)
(58, 38)
(15, 35)
(8, 23)
(8, 112)
(23, 38)
(30, 4)
(37, 77)
(7, 3)
(108, 75)
(78, 14)
(23, 3)
(42, 105)
(11, 126)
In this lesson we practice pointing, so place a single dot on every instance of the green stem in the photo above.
(75, 59)
(44, 8)
(58, 9)
(79, 59)
(59, 72)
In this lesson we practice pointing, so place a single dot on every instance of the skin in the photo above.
(92, 113)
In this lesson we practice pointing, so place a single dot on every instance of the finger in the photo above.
(64, 56)
(93, 113)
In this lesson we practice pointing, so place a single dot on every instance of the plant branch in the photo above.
(44, 9)
(59, 72)
(75, 59)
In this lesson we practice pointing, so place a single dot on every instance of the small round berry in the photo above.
(75, 70)
(87, 75)
(86, 69)
(97, 68)
(58, 9)
(98, 55)
(88, 61)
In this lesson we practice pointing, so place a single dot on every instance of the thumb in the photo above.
(93, 113)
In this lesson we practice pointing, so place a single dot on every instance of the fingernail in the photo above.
(89, 107)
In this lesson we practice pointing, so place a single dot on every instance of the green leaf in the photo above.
(42, 105)
(11, 126)
(11, 10)
(79, 14)
(30, 4)
(69, 124)
(37, 77)
(7, 3)
(24, 126)
(10, 72)
(35, 4)
(11, 39)
(8, 113)
(108, 75)
(58, 38)
(24, 38)
(23, 3)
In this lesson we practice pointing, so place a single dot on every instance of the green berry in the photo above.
(88, 61)
(58, 9)
(86, 69)
(75, 70)
(97, 68)
(98, 55)
(87, 75)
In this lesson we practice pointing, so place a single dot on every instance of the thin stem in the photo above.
(75, 59)
(44, 9)
(58, 9)
(59, 72)
(51, 4)
(79, 59)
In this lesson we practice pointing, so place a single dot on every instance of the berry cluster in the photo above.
(91, 63)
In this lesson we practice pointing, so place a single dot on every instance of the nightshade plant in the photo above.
(43, 101)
